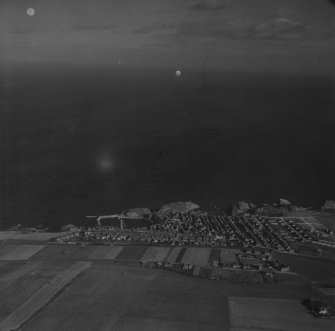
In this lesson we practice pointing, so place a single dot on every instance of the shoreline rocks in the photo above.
(329, 205)
(138, 212)
(179, 207)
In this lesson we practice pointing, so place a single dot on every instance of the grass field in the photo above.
(215, 254)
(105, 252)
(10, 273)
(173, 254)
(304, 249)
(4, 235)
(197, 256)
(327, 255)
(229, 255)
(327, 219)
(109, 296)
(18, 252)
(248, 260)
(38, 236)
(180, 255)
(272, 314)
(23, 280)
(41, 296)
(313, 269)
(131, 253)
(237, 276)
(58, 252)
(72, 252)
(155, 254)
(117, 297)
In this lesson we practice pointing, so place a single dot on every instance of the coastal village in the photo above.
(245, 241)
(253, 247)
(183, 224)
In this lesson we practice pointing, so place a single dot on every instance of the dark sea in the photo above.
(79, 141)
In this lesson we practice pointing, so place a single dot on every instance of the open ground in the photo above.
(72, 287)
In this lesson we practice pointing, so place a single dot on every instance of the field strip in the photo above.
(42, 296)
(5, 235)
(20, 252)
(255, 313)
(197, 256)
(155, 254)
(11, 277)
(107, 253)
(173, 254)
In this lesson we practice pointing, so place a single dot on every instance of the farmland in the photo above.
(173, 254)
(18, 252)
(267, 314)
(155, 254)
(229, 255)
(102, 252)
(122, 297)
(103, 291)
(313, 269)
(131, 253)
(196, 257)
(41, 297)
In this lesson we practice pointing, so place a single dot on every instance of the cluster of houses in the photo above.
(251, 259)
(193, 229)
(265, 268)
(290, 229)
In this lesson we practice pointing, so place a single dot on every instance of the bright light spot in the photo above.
(178, 73)
(105, 163)
(30, 11)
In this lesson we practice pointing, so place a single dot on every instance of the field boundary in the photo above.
(43, 296)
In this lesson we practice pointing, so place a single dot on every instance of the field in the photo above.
(121, 296)
(304, 249)
(58, 252)
(313, 269)
(21, 280)
(75, 252)
(131, 253)
(174, 253)
(116, 297)
(247, 260)
(105, 252)
(4, 235)
(11, 272)
(41, 297)
(237, 276)
(155, 254)
(37, 236)
(229, 255)
(327, 255)
(18, 252)
(196, 256)
(269, 314)
(327, 218)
